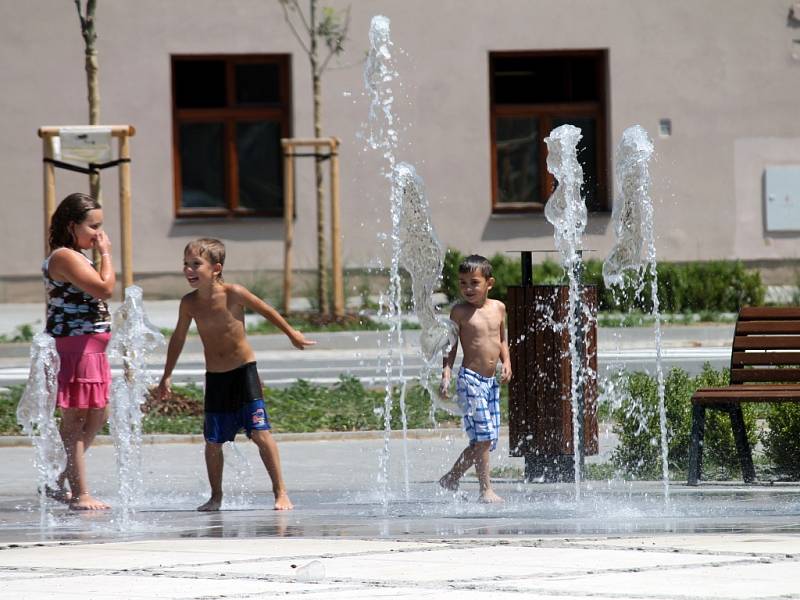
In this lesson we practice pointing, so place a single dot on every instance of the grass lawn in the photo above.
(301, 407)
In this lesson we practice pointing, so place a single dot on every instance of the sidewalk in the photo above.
(164, 314)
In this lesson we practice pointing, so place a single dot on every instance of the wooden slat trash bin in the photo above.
(540, 402)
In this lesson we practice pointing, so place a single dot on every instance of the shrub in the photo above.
(452, 259)
(704, 287)
(723, 286)
(506, 271)
(636, 419)
(781, 439)
(24, 333)
(8, 410)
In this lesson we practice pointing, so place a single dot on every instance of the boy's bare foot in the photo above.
(87, 502)
(212, 505)
(59, 494)
(448, 482)
(282, 501)
(489, 497)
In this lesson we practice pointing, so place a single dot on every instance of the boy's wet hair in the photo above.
(211, 249)
(476, 262)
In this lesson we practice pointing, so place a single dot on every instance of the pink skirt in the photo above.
(84, 379)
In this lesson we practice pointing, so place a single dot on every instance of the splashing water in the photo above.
(379, 73)
(422, 256)
(133, 340)
(35, 414)
(633, 225)
(566, 210)
(633, 153)
(238, 494)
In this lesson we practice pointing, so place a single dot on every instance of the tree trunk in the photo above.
(93, 90)
(322, 262)
(94, 107)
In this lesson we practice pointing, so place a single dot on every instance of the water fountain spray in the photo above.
(566, 210)
(35, 414)
(422, 256)
(133, 341)
(415, 246)
(633, 227)
(379, 73)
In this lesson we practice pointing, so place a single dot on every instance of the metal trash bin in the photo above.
(540, 404)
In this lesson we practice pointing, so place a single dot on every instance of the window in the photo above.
(229, 115)
(532, 93)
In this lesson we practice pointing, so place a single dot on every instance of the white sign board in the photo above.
(88, 144)
(782, 198)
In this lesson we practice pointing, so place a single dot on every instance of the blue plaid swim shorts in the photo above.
(479, 398)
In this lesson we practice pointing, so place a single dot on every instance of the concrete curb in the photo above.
(11, 441)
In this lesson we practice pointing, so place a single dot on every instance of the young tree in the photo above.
(311, 30)
(89, 33)
(91, 65)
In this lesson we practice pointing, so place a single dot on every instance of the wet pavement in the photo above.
(620, 540)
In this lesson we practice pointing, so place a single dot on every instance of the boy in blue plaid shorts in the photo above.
(481, 326)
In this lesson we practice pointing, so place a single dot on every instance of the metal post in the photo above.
(527, 267)
(580, 351)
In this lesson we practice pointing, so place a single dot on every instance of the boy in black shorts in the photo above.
(233, 398)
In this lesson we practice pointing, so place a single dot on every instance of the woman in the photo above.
(78, 319)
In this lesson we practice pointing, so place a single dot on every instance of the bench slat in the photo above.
(720, 400)
(735, 395)
(754, 375)
(753, 387)
(766, 342)
(771, 327)
(740, 359)
(749, 313)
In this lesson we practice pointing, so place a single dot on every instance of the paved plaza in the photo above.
(352, 536)
(362, 529)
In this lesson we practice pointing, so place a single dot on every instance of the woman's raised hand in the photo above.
(102, 243)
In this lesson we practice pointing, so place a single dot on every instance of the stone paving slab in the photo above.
(508, 568)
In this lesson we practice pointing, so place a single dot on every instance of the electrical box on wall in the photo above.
(782, 198)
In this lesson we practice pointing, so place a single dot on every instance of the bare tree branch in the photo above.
(301, 15)
(288, 20)
(336, 44)
(87, 22)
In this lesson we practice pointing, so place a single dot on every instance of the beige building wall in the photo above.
(722, 70)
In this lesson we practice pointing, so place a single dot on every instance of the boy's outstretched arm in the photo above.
(448, 361)
(176, 341)
(505, 357)
(254, 303)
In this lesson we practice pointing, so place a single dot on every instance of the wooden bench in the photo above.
(765, 367)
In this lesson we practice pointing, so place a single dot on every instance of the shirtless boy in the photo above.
(234, 398)
(481, 323)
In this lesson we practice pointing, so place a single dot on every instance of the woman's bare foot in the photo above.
(489, 497)
(59, 494)
(87, 502)
(448, 482)
(213, 504)
(282, 501)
